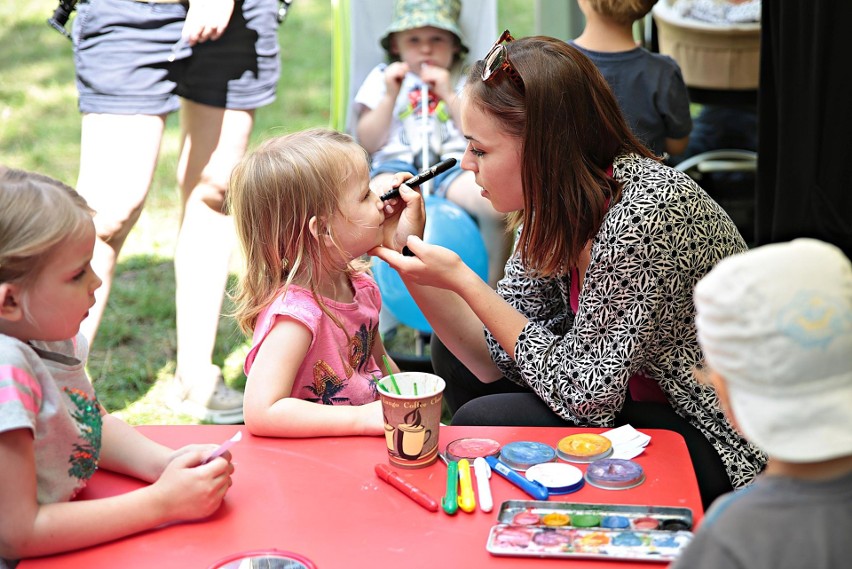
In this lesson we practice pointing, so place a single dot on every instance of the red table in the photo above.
(322, 499)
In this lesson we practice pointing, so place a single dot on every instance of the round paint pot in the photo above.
(526, 518)
(614, 474)
(626, 539)
(557, 477)
(585, 520)
(555, 519)
(646, 522)
(521, 455)
(509, 536)
(264, 558)
(583, 448)
(615, 522)
(675, 525)
(550, 538)
(471, 448)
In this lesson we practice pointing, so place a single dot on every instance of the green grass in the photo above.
(134, 352)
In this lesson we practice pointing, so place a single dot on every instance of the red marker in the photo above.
(406, 488)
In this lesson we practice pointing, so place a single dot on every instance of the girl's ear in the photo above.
(10, 306)
(316, 231)
(313, 227)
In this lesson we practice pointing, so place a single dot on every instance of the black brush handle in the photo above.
(423, 176)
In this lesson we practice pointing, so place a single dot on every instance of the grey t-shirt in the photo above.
(44, 388)
(776, 523)
(650, 90)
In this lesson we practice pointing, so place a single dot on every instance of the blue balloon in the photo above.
(449, 226)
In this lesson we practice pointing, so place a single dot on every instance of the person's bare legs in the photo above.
(118, 155)
(464, 192)
(214, 141)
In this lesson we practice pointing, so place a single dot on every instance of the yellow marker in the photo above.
(467, 502)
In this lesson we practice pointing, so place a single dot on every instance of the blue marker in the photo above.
(535, 489)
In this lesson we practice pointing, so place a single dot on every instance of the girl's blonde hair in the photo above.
(274, 192)
(37, 213)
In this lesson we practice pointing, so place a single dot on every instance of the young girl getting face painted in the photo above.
(305, 215)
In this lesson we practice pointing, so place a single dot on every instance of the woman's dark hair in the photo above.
(571, 128)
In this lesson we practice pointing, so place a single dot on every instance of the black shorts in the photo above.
(122, 50)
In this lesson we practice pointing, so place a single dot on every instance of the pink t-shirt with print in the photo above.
(337, 370)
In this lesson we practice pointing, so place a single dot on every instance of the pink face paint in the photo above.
(646, 523)
(471, 448)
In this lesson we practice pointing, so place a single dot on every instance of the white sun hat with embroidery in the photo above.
(776, 324)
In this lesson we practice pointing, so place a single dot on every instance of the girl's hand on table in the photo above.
(188, 489)
(204, 448)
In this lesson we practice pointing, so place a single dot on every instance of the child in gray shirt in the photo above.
(775, 325)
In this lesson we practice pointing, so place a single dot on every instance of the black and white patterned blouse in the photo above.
(635, 312)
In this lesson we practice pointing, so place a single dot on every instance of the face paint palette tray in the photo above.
(529, 528)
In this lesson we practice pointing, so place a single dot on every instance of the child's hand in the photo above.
(394, 74)
(189, 490)
(373, 419)
(205, 449)
(404, 216)
(438, 79)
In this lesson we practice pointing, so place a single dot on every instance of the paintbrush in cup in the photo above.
(390, 373)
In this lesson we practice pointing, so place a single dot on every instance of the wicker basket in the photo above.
(725, 57)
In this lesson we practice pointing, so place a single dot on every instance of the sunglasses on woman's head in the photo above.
(497, 59)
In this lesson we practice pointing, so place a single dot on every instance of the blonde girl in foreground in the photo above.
(305, 216)
(53, 432)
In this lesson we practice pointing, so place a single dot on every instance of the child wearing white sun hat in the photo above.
(775, 325)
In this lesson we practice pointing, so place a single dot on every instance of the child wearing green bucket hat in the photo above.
(413, 14)
(425, 47)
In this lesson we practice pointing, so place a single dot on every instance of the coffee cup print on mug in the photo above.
(412, 417)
